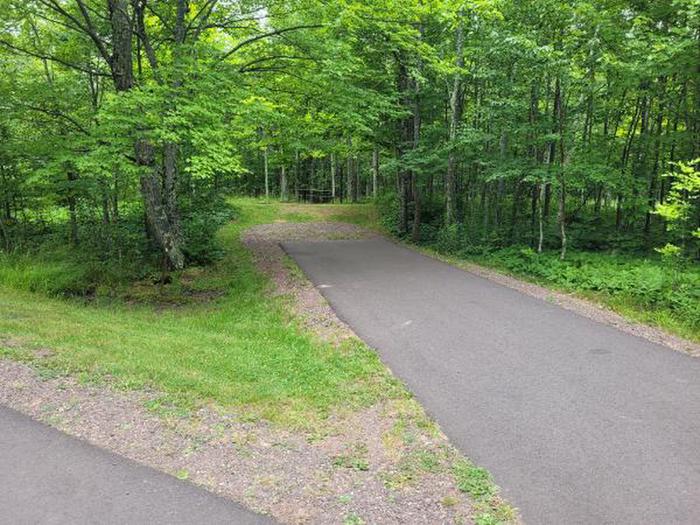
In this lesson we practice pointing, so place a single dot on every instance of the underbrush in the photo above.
(111, 260)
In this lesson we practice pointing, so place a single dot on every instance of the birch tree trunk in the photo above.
(267, 174)
(456, 107)
(333, 175)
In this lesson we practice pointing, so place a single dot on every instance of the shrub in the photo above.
(199, 226)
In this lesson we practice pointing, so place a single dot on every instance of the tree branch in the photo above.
(205, 12)
(246, 67)
(90, 29)
(140, 31)
(267, 35)
(86, 28)
(52, 58)
(59, 114)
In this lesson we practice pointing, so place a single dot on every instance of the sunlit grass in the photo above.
(363, 214)
(241, 349)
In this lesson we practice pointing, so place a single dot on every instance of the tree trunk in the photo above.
(404, 175)
(540, 214)
(651, 194)
(561, 214)
(121, 61)
(456, 107)
(161, 215)
(157, 216)
(267, 174)
(417, 205)
(170, 173)
(283, 183)
(348, 180)
(333, 176)
(375, 170)
(355, 179)
(72, 209)
(296, 174)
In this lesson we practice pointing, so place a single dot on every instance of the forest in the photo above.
(350, 261)
(522, 126)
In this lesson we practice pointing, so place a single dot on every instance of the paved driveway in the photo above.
(47, 477)
(578, 422)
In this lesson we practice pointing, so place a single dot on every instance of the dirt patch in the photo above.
(172, 294)
(9, 342)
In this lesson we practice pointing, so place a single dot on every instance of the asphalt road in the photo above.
(578, 422)
(48, 477)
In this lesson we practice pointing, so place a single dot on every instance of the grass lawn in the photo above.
(241, 349)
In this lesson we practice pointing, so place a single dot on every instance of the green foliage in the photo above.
(681, 206)
(388, 209)
(314, 87)
(47, 273)
(473, 480)
(477, 482)
(202, 219)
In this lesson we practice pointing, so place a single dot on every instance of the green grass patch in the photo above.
(364, 215)
(52, 273)
(239, 349)
(412, 467)
(477, 482)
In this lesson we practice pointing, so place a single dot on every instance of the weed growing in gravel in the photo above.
(353, 519)
(354, 457)
(477, 482)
